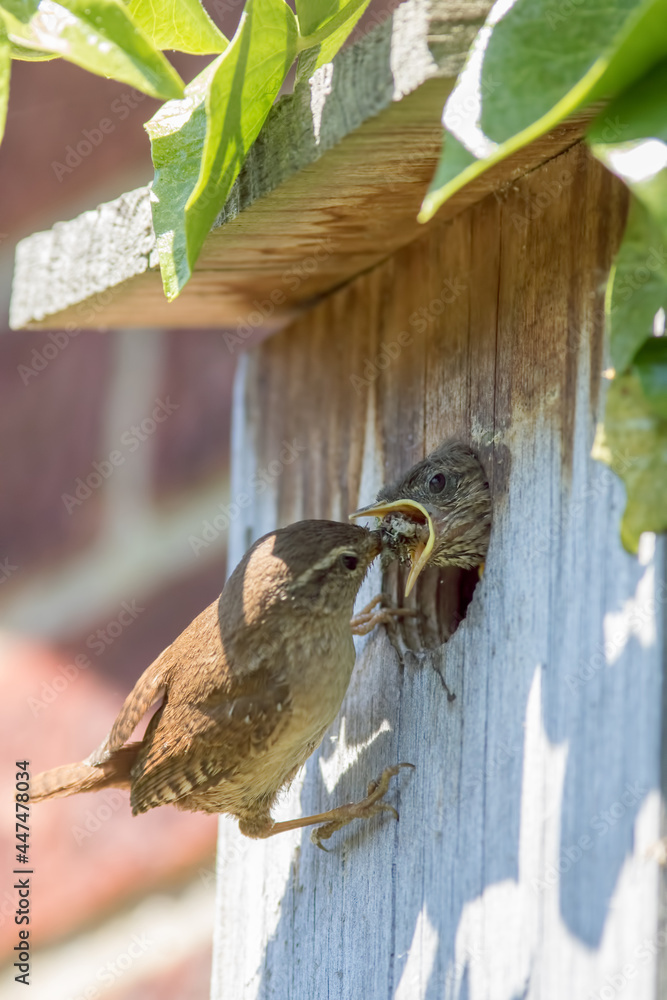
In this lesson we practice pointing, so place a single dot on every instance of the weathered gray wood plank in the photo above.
(518, 867)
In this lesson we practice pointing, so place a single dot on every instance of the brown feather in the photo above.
(71, 779)
(231, 724)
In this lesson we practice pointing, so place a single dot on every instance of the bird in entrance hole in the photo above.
(438, 513)
(246, 692)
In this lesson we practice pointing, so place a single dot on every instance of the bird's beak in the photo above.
(421, 552)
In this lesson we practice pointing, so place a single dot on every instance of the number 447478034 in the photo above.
(22, 798)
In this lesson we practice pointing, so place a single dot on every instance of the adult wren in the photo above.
(246, 693)
(438, 513)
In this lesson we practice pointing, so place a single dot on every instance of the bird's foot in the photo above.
(261, 825)
(370, 616)
(370, 806)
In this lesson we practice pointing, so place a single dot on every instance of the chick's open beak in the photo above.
(420, 551)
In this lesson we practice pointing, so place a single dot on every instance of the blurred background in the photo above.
(102, 561)
(95, 586)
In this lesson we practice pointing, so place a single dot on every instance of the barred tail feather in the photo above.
(148, 689)
(70, 779)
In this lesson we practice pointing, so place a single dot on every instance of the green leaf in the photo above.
(633, 442)
(178, 24)
(199, 144)
(177, 133)
(626, 137)
(630, 138)
(640, 45)
(637, 113)
(323, 27)
(650, 365)
(98, 35)
(22, 10)
(312, 14)
(637, 286)
(542, 63)
(26, 54)
(16, 14)
(454, 161)
(537, 53)
(5, 69)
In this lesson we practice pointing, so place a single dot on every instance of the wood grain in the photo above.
(518, 867)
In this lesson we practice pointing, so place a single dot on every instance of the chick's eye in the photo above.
(349, 561)
(437, 483)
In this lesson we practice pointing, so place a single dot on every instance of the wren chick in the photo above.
(438, 513)
(247, 691)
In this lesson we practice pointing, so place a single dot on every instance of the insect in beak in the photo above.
(420, 551)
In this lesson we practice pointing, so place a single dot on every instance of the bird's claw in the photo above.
(370, 806)
(366, 620)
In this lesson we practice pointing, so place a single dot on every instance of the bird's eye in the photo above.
(437, 483)
(349, 561)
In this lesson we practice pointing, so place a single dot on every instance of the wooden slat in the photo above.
(550, 754)
(331, 188)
